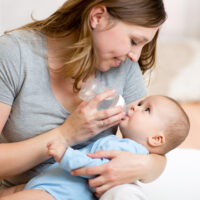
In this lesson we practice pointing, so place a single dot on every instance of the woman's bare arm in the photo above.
(18, 157)
(155, 165)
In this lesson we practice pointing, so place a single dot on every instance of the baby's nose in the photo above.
(136, 108)
(133, 107)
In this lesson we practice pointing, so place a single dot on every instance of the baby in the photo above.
(157, 124)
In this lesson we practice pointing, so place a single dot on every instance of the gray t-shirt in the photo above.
(25, 85)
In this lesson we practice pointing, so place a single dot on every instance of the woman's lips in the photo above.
(116, 62)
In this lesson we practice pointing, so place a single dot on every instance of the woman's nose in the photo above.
(134, 55)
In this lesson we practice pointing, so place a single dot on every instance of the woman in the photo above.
(43, 66)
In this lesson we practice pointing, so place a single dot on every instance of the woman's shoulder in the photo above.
(21, 39)
(22, 46)
(19, 45)
(10, 51)
(23, 35)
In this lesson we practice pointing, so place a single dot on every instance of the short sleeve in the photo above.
(9, 68)
(134, 88)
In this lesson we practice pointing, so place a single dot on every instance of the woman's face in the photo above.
(112, 45)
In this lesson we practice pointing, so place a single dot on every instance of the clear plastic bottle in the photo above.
(94, 87)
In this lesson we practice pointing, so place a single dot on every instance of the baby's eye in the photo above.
(139, 104)
(147, 110)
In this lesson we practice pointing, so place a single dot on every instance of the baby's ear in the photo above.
(156, 140)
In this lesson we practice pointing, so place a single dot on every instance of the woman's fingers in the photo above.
(110, 117)
(104, 154)
(95, 170)
(101, 97)
(100, 185)
(105, 125)
(100, 190)
(97, 181)
(86, 120)
(112, 111)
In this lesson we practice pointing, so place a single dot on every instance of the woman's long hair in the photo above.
(73, 17)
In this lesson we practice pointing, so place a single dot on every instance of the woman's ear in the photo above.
(98, 16)
(156, 140)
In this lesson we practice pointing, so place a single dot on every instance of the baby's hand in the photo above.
(57, 149)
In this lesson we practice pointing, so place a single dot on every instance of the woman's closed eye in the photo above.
(147, 110)
(133, 42)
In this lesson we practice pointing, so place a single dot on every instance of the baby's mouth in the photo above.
(129, 113)
(126, 116)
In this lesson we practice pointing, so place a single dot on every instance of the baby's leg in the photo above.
(29, 195)
(11, 190)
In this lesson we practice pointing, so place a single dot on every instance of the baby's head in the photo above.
(157, 122)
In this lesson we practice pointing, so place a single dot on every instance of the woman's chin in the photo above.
(104, 68)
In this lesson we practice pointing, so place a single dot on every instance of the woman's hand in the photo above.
(123, 168)
(86, 121)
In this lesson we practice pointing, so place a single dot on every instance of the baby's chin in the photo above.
(123, 124)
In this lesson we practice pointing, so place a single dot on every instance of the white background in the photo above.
(183, 15)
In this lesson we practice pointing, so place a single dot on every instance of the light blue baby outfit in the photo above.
(58, 181)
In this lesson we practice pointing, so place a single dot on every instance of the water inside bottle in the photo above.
(94, 87)
(107, 103)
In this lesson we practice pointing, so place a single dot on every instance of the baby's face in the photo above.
(146, 118)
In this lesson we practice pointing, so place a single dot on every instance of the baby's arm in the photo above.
(70, 159)
(74, 159)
